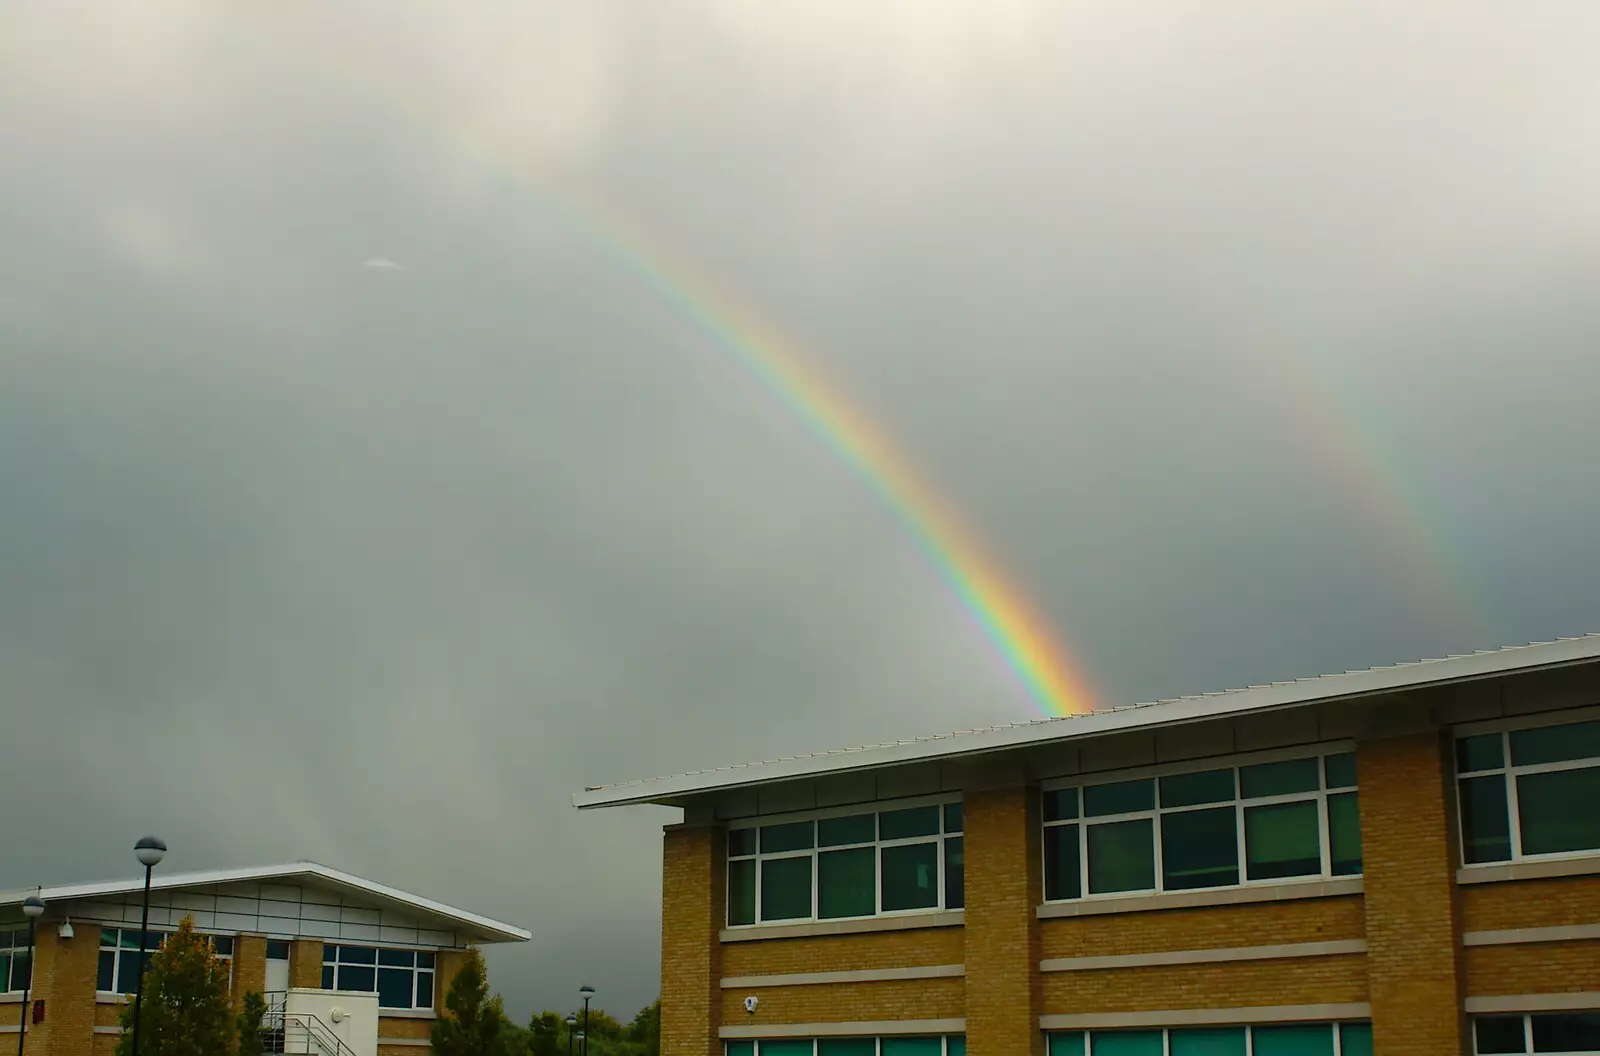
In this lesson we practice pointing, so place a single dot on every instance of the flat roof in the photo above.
(484, 927)
(1349, 685)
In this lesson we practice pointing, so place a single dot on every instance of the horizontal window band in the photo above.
(865, 975)
(107, 1030)
(1186, 1017)
(846, 1030)
(1332, 948)
(419, 1043)
(1219, 896)
(1581, 1001)
(950, 918)
(1522, 936)
(1500, 872)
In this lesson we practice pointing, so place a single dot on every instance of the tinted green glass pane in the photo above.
(1500, 1034)
(913, 1046)
(955, 885)
(847, 883)
(952, 822)
(1339, 771)
(1355, 1039)
(1297, 1040)
(1485, 825)
(1125, 1043)
(1483, 752)
(785, 888)
(1063, 875)
(1559, 811)
(904, 824)
(21, 970)
(847, 1047)
(911, 876)
(1069, 1044)
(1344, 833)
(796, 836)
(859, 828)
(956, 1045)
(739, 1048)
(787, 1047)
(1279, 779)
(742, 892)
(1122, 797)
(1122, 857)
(1282, 839)
(1188, 790)
(1061, 804)
(1207, 1041)
(1199, 848)
(741, 842)
(1566, 1032)
(1555, 744)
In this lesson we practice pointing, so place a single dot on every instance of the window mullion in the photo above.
(1325, 840)
(1155, 834)
(1513, 811)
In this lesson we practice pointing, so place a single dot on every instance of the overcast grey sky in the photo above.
(1258, 339)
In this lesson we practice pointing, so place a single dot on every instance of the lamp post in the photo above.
(585, 992)
(33, 908)
(572, 1021)
(149, 850)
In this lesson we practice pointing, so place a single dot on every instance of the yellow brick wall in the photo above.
(847, 1002)
(249, 966)
(108, 1013)
(1298, 981)
(1207, 928)
(1410, 858)
(1002, 935)
(402, 1050)
(843, 953)
(64, 978)
(1530, 903)
(1537, 968)
(692, 884)
(105, 1044)
(404, 1027)
(9, 1015)
(305, 963)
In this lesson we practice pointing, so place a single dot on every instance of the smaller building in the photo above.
(302, 927)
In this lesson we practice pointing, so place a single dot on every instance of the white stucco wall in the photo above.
(351, 1017)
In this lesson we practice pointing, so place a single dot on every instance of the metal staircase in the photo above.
(298, 1033)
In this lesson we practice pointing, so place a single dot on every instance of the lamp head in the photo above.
(33, 907)
(586, 992)
(150, 850)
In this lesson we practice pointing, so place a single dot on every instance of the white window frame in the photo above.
(377, 964)
(1249, 1033)
(877, 1047)
(1320, 795)
(1527, 1032)
(876, 807)
(18, 944)
(116, 970)
(1508, 773)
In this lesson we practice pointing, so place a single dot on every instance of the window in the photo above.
(951, 1045)
(1555, 1032)
(1522, 792)
(400, 978)
(119, 957)
(1289, 1039)
(1221, 827)
(15, 962)
(846, 864)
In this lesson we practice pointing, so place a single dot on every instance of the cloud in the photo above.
(381, 264)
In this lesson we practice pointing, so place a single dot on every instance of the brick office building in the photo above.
(294, 927)
(1404, 860)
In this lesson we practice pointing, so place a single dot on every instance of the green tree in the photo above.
(474, 1022)
(185, 1009)
(645, 1030)
(545, 1034)
(254, 1009)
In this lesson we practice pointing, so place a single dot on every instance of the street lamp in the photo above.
(585, 992)
(572, 1021)
(33, 908)
(149, 850)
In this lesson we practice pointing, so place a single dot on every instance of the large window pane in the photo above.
(1121, 857)
(21, 965)
(327, 977)
(424, 990)
(1063, 877)
(1484, 822)
(786, 1047)
(847, 1047)
(1061, 804)
(1297, 1040)
(357, 955)
(1555, 744)
(1559, 811)
(1344, 833)
(835, 832)
(394, 987)
(1566, 1032)
(913, 1046)
(785, 888)
(955, 862)
(1282, 839)
(1067, 1044)
(1483, 752)
(741, 842)
(107, 977)
(910, 876)
(1500, 1034)
(1199, 848)
(847, 883)
(904, 824)
(1125, 1043)
(955, 1045)
(1207, 1041)
(1279, 779)
(357, 977)
(1339, 771)
(739, 1048)
(128, 970)
(1121, 797)
(1189, 790)
(1355, 1039)
(795, 836)
(952, 823)
(742, 892)
(398, 958)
